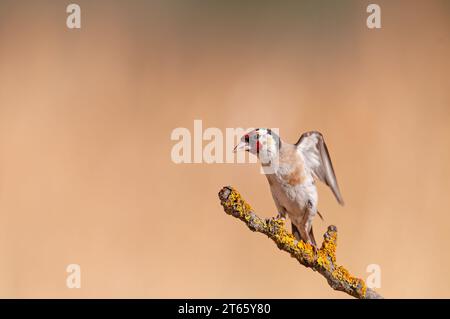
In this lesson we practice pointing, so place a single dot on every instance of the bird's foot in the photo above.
(281, 217)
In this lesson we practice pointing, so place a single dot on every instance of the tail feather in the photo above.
(320, 215)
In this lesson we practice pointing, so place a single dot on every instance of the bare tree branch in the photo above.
(322, 260)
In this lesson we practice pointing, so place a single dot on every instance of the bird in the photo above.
(292, 171)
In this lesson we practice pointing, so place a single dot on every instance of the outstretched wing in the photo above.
(317, 159)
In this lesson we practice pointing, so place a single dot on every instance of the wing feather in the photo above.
(317, 159)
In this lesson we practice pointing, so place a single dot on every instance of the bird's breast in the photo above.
(292, 186)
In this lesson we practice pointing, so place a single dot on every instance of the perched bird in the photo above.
(293, 171)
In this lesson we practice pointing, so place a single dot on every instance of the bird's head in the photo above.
(261, 142)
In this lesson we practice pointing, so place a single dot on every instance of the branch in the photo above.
(322, 260)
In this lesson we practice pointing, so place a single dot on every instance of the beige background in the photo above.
(85, 122)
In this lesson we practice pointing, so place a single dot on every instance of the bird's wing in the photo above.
(317, 159)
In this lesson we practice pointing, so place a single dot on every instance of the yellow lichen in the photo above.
(329, 247)
(238, 204)
(307, 251)
(326, 256)
(343, 275)
(363, 288)
(286, 239)
(323, 259)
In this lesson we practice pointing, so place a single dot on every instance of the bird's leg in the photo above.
(295, 232)
(304, 235)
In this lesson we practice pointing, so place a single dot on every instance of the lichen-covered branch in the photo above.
(322, 260)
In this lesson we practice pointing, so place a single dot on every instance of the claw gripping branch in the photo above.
(322, 260)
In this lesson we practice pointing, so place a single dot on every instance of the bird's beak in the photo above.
(242, 146)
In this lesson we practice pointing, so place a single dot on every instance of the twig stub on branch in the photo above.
(322, 260)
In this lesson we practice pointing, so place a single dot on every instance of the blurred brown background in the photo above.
(86, 116)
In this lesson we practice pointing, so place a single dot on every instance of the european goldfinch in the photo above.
(293, 171)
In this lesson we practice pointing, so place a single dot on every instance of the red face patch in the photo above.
(258, 146)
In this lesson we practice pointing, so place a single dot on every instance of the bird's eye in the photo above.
(247, 138)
